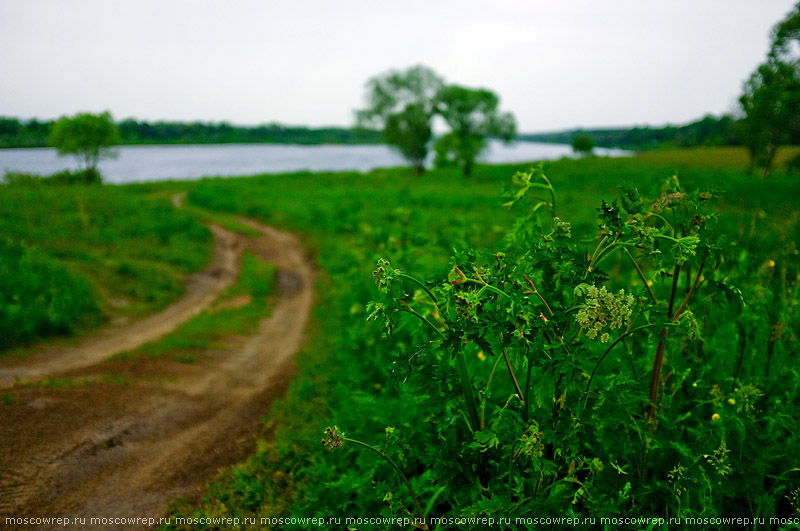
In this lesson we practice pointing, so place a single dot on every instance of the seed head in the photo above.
(333, 438)
(531, 441)
(384, 275)
(562, 228)
(667, 200)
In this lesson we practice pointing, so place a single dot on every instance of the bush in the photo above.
(64, 177)
(39, 297)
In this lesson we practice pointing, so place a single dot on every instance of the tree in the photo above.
(786, 37)
(770, 104)
(771, 98)
(583, 145)
(402, 105)
(472, 116)
(88, 137)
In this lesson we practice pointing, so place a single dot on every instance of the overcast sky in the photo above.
(555, 64)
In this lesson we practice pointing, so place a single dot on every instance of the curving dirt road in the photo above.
(201, 290)
(109, 450)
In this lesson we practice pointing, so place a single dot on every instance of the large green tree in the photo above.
(771, 97)
(771, 106)
(472, 116)
(786, 37)
(401, 104)
(88, 137)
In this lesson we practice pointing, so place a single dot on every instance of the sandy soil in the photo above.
(109, 450)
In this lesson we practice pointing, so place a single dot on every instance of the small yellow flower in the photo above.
(732, 401)
(481, 356)
(715, 417)
(650, 283)
(772, 263)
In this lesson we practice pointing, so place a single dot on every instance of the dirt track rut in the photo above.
(107, 450)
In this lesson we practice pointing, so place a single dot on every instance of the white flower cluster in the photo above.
(603, 308)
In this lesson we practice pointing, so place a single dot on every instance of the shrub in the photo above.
(39, 297)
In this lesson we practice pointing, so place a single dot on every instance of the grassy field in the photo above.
(742, 372)
(725, 442)
(74, 257)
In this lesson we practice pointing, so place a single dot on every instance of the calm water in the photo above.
(158, 163)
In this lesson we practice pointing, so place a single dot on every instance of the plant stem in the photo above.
(513, 376)
(397, 469)
(641, 275)
(466, 388)
(526, 406)
(599, 258)
(410, 310)
(489, 287)
(594, 254)
(603, 356)
(658, 360)
(472, 410)
(536, 292)
(742, 347)
(691, 290)
(486, 391)
(421, 285)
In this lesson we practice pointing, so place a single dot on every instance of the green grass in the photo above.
(39, 297)
(255, 279)
(74, 255)
(349, 220)
(210, 327)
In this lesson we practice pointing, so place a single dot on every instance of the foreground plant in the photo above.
(531, 360)
(335, 438)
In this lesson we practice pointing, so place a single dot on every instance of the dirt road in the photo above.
(109, 450)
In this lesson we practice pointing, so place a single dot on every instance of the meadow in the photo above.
(75, 257)
(464, 383)
(719, 440)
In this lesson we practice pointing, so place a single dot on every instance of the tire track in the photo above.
(121, 451)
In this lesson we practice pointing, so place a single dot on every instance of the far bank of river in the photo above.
(159, 163)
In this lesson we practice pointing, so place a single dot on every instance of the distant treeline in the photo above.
(15, 133)
(709, 131)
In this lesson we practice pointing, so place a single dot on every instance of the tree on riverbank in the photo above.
(472, 116)
(89, 138)
(402, 105)
(583, 145)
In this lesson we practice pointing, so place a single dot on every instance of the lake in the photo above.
(159, 163)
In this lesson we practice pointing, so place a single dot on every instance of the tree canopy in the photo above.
(771, 105)
(771, 96)
(402, 105)
(786, 37)
(472, 116)
(89, 137)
